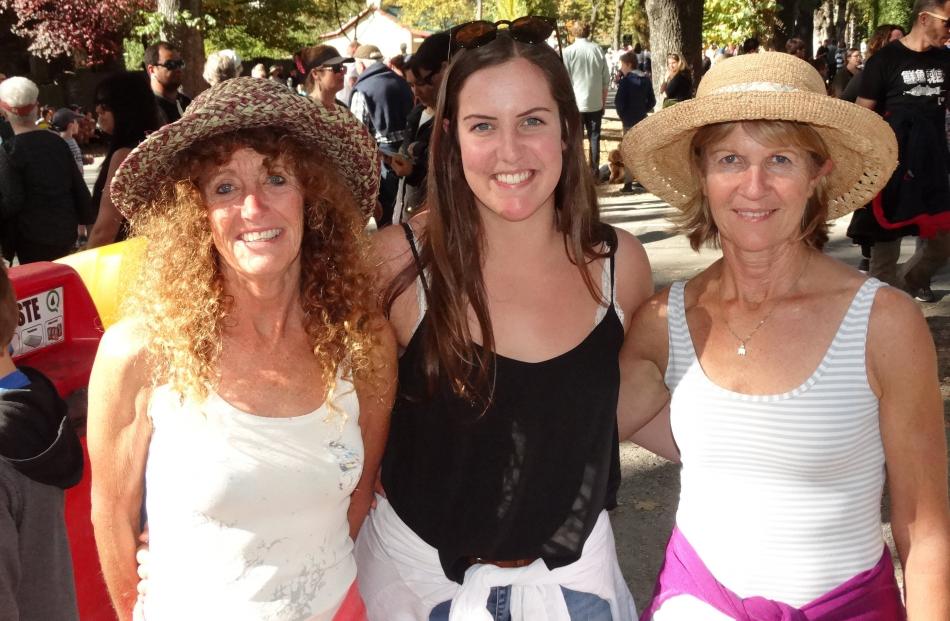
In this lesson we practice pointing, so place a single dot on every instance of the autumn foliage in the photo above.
(93, 29)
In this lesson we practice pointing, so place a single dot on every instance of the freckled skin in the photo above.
(244, 197)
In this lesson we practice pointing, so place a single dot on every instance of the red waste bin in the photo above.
(58, 334)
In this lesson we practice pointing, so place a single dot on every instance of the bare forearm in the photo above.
(927, 581)
(116, 542)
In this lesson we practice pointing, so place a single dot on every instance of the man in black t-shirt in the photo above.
(906, 82)
(164, 66)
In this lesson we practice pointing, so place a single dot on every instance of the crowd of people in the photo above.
(298, 420)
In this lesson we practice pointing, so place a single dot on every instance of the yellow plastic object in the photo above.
(108, 272)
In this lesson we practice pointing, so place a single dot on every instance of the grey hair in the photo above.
(222, 65)
(16, 92)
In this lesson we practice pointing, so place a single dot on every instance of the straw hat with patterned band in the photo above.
(247, 102)
(766, 86)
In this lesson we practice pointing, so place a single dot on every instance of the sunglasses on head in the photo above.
(939, 18)
(171, 65)
(531, 29)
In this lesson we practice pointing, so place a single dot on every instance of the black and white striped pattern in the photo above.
(781, 493)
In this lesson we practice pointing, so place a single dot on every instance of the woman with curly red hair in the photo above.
(249, 386)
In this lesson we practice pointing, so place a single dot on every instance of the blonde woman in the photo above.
(678, 84)
(249, 388)
(798, 384)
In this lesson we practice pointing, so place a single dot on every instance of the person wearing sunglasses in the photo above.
(164, 66)
(906, 82)
(424, 71)
(509, 299)
(590, 78)
(323, 70)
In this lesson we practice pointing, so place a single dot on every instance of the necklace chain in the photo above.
(742, 350)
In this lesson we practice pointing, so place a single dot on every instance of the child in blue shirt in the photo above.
(634, 99)
(40, 457)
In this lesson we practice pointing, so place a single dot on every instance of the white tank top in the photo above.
(247, 514)
(781, 494)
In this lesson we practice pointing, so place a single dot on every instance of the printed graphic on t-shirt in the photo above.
(924, 83)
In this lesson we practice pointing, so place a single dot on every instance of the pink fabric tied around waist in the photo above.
(869, 596)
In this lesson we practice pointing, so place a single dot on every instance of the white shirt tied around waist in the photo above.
(401, 578)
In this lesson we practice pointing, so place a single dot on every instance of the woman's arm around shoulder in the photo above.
(108, 219)
(376, 392)
(118, 433)
(902, 371)
(643, 414)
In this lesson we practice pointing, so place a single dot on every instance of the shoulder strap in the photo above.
(411, 238)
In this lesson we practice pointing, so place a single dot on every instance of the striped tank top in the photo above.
(781, 494)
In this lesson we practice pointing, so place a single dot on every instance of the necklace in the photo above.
(741, 350)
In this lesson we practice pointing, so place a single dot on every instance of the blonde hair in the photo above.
(179, 297)
(696, 221)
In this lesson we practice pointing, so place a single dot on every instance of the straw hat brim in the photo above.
(243, 103)
(861, 144)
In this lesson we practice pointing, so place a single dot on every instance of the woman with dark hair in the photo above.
(322, 71)
(882, 35)
(424, 74)
(503, 452)
(127, 113)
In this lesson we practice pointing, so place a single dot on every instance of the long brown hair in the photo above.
(452, 247)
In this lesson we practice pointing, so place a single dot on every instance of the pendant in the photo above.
(741, 350)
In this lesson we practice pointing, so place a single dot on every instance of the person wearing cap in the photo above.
(382, 101)
(424, 73)
(249, 385)
(798, 384)
(323, 69)
(66, 123)
(56, 199)
(164, 67)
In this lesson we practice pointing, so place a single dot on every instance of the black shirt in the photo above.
(680, 86)
(57, 199)
(900, 77)
(525, 478)
(168, 110)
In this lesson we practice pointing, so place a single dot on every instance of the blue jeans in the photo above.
(592, 121)
(580, 606)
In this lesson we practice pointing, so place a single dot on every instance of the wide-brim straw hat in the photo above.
(765, 86)
(242, 103)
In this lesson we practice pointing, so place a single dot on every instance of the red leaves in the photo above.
(93, 27)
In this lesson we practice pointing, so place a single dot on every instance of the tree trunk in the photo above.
(676, 26)
(594, 6)
(188, 39)
(618, 19)
(785, 24)
(841, 23)
(805, 29)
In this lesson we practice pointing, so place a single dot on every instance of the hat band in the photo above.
(17, 110)
(756, 87)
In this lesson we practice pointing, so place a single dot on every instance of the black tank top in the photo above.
(526, 478)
